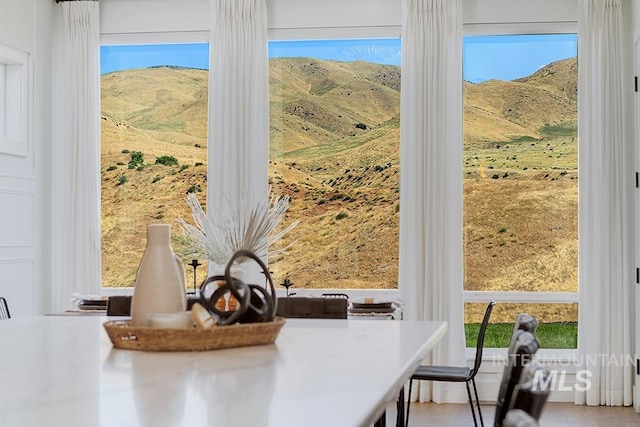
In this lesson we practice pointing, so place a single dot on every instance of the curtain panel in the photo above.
(430, 276)
(606, 210)
(78, 253)
(238, 135)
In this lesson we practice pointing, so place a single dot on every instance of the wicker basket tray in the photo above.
(123, 335)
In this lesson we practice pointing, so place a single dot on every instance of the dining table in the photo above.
(64, 371)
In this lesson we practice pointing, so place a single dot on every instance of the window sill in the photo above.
(494, 359)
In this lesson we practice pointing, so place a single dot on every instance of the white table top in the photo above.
(63, 371)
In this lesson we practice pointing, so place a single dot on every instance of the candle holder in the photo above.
(287, 283)
(195, 264)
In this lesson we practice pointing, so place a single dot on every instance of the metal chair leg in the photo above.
(400, 409)
(475, 390)
(473, 411)
(408, 404)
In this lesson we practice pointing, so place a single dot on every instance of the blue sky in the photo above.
(512, 57)
(485, 57)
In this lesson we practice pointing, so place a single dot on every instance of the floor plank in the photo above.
(554, 415)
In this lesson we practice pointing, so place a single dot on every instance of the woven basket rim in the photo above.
(125, 336)
(126, 323)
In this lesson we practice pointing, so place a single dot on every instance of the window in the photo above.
(521, 176)
(14, 74)
(154, 146)
(334, 148)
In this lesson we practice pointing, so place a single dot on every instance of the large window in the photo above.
(154, 146)
(334, 148)
(521, 174)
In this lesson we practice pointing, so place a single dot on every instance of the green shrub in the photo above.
(341, 215)
(156, 179)
(112, 168)
(137, 159)
(194, 189)
(122, 179)
(167, 161)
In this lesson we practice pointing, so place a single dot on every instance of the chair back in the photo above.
(481, 334)
(329, 307)
(525, 346)
(531, 393)
(524, 322)
(4, 309)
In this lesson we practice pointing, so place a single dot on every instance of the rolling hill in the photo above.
(334, 146)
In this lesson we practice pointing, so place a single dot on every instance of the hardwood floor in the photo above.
(554, 415)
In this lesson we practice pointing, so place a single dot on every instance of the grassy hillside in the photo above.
(334, 130)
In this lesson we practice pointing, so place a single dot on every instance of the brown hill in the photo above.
(499, 111)
(558, 77)
(315, 102)
(168, 104)
(334, 129)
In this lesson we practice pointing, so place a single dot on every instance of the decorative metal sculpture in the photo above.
(255, 303)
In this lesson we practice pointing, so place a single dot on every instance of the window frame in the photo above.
(528, 28)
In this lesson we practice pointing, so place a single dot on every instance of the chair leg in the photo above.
(473, 411)
(400, 409)
(475, 390)
(408, 404)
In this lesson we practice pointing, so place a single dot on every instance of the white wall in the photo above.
(24, 31)
(153, 16)
(306, 17)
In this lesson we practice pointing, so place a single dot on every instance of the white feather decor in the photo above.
(225, 231)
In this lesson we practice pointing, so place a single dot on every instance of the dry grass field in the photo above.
(334, 142)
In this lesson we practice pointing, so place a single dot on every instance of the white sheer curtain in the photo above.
(430, 279)
(77, 249)
(605, 226)
(238, 104)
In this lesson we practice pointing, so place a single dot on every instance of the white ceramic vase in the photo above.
(160, 282)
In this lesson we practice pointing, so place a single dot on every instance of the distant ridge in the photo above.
(178, 67)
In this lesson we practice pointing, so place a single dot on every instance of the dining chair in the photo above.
(457, 373)
(519, 418)
(4, 309)
(329, 306)
(525, 345)
(523, 322)
(532, 391)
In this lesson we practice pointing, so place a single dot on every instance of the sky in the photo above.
(484, 57)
